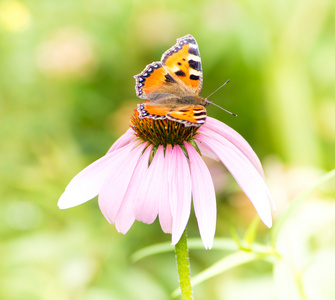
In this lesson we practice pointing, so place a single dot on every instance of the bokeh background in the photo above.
(66, 94)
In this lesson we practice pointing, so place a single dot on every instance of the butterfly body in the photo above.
(172, 86)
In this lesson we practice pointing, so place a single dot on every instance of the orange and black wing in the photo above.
(189, 115)
(179, 73)
(155, 83)
(183, 62)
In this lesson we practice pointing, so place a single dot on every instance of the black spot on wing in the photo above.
(180, 73)
(196, 65)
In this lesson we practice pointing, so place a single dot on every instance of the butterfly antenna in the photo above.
(227, 111)
(218, 89)
(210, 102)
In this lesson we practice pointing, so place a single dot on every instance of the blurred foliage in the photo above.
(66, 94)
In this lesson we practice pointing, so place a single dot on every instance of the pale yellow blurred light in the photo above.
(78, 272)
(69, 52)
(14, 16)
(158, 33)
(222, 16)
(306, 245)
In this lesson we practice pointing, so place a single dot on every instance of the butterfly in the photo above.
(173, 86)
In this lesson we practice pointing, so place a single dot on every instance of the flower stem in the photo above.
(184, 271)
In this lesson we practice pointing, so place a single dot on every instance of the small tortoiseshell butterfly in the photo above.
(173, 86)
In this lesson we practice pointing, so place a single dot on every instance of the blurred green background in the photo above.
(66, 94)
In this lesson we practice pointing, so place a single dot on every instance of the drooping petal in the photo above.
(203, 196)
(179, 185)
(87, 184)
(123, 140)
(244, 172)
(235, 138)
(126, 215)
(147, 200)
(116, 184)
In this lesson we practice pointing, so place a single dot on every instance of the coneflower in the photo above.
(156, 169)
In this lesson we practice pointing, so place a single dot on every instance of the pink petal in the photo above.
(165, 215)
(123, 140)
(244, 172)
(87, 184)
(235, 138)
(147, 200)
(179, 187)
(116, 184)
(126, 215)
(203, 196)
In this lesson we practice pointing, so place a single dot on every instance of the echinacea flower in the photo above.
(156, 169)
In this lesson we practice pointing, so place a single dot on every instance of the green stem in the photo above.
(184, 271)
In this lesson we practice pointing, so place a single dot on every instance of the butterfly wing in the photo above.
(155, 83)
(179, 73)
(173, 85)
(152, 111)
(183, 62)
(189, 115)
